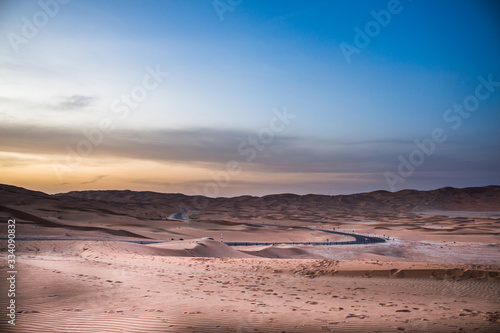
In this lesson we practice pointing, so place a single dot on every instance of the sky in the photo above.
(236, 97)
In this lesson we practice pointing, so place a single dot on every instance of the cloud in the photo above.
(95, 180)
(196, 146)
(214, 148)
(49, 109)
(12, 160)
(75, 102)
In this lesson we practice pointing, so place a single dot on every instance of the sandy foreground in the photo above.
(81, 272)
(106, 286)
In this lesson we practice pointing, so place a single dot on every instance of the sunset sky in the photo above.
(230, 97)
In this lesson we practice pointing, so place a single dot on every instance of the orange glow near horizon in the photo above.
(39, 173)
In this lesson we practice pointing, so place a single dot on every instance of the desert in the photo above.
(93, 261)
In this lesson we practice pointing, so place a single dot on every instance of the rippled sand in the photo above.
(117, 287)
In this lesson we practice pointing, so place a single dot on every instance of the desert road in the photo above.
(358, 239)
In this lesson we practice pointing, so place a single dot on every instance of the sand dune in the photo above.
(200, 248)
(447, 198)
(279, 251)
(439, 272)
(114, 286)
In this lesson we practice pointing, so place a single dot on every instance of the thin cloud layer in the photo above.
(75, 102)
(215, 148)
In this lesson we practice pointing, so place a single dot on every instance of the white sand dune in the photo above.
(279, 251)
(199, 248)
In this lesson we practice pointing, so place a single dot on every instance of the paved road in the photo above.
(358, 239)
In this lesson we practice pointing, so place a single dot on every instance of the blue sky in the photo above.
(226, 79)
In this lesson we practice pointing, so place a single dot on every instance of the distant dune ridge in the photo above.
(446, 198)
(114, 211)
(377, 205)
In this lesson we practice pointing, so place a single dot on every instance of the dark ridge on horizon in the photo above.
(78, 193)
(445, 198)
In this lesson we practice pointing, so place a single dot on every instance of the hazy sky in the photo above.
(234, 97)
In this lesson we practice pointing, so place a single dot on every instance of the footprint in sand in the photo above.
(352, 315)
